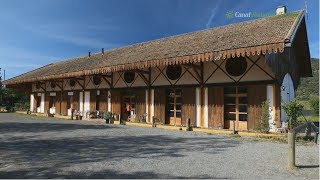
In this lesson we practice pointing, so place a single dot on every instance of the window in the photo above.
(96, 80)
(72, 82)
(53, 84)
(38, 86)
(235, 103)
(174, 72)
(236, 66)
(129, 76)
(174, 106)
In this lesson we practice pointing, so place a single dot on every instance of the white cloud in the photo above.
(213, 13)
(76, 34)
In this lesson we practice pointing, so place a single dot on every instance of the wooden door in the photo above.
(128, 107)
(236, 107)
(174, 106)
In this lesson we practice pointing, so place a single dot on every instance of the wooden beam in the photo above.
(107, 81)
(262, 69)
(78, 78)
(141, 71)
(248, 69)
(149, 83)
(198, 78)
(44, 89)
(218, 67)
(145, 79)
(81, 85)
(57, 84)
(198, 67)
(202, 73)
(107, 75)
(111, 80)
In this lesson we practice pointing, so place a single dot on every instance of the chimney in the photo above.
(102, 50)
(89, 53)
(281, 10)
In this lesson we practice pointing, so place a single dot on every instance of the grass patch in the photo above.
(312, 118)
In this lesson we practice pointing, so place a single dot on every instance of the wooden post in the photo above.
(234, 127)
(292, 150)
(188, 125)
(72, 112)
(153, 122)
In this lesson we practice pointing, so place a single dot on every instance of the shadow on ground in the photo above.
(15, 127)
(45, 157)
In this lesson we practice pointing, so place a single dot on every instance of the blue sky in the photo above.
(37, 32)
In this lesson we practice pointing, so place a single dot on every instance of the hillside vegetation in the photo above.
(309, 86)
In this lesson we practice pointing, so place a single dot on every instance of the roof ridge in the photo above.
(294, 26)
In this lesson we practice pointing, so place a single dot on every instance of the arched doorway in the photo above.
(287, 93)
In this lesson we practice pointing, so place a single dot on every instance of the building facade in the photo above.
(213, 76)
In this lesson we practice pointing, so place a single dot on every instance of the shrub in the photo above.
(293, 110)
(122, 122)
(314, 104)
(263, 124)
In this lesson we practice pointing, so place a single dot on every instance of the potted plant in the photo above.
(108, 116)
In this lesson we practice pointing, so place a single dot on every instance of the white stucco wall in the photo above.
(270, 99)
(31, 102)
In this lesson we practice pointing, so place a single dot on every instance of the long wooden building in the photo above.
(213, 76)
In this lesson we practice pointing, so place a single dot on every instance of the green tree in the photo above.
(263, 124)
(293, 110)
(314, 104)
(11, 100)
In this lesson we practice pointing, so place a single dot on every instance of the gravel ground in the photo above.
(39, 147)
